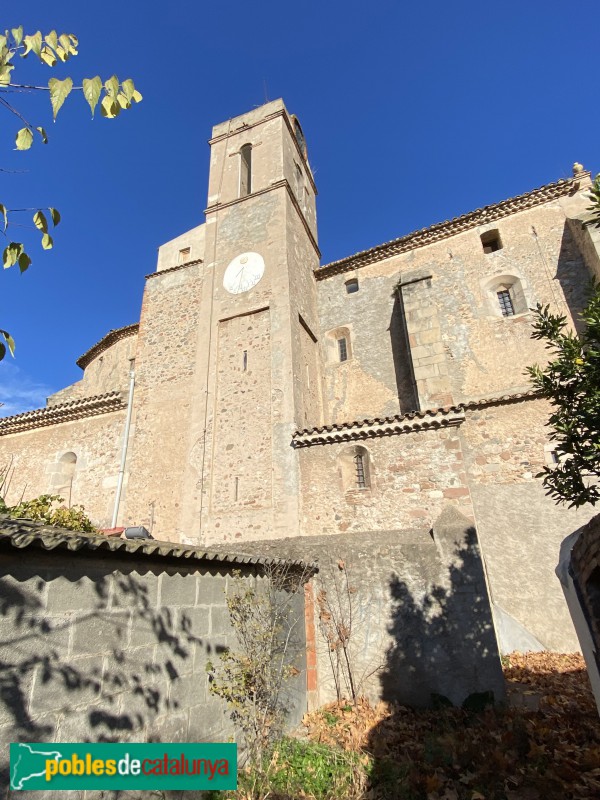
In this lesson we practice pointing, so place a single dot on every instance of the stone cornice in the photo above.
(402, 423)
(282, 112)
(65, 412)
(106, 341)
(160, 272)
(443, 230)
(278, 185)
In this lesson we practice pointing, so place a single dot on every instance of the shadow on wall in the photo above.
(101, 671)
(573, 275)
(444, 647)
(405, 381)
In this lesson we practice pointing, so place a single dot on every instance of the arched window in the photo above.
(505, 295)
(360, 471)
(351, 286)
(339, 345)
(62, 479)
(356, 469)
(245, 170)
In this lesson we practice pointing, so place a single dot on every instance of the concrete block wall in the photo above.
(115, 648)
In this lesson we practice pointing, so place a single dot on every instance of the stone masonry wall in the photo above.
(34, 459)
(108, 372)
(243, 401)
(485, 353)
(115, 648)
(417, 607)
(412, 475)
(520, 529)
(165, 369)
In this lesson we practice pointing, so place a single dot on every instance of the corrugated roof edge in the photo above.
(23, 533)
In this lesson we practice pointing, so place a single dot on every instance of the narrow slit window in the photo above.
(245, 170)
(299, 183)
(343, 349)
(236, 489)
(491, 242)
(359, 466)
(505, 302)
(352, 286)
(245, 361)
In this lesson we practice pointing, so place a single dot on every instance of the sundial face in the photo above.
(243, 273)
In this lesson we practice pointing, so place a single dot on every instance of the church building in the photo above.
(263, 395)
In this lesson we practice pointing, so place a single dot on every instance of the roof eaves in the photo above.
(443, 230)
(177, 267)
(402, 423)
(106, 341)
(65, 412)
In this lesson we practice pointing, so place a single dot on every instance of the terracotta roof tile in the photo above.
(65, 412)
(442, 230)
(106, 341)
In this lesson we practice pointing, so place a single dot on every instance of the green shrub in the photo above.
(308, 769)
(45, 509)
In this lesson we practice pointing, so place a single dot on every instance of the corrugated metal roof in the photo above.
(24, 533)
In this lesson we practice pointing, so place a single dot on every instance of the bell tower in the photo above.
(257, 374)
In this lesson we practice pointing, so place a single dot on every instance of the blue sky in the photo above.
(413, 114)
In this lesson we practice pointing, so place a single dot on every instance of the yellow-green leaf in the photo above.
(40, 221)
(55, 216)
(48, 57)
(65, 43)
(109, 107)
(137, 97)
(51, 39)
(61, 53)
(17, 34)
(91, 91)
(5, 71)
(24, 139)
(42, 133)
(4, 213)
(9, 341)
(24, 262)
(74, 43)
(59, 91)
(11, 254)
(33, 44)
(128, 89)
(123, 101)
(47, 242)
(112, 86)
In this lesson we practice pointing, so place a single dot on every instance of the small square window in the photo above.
(184, 255)
(352, 286)
(491, 242)
(506, 304)
(343, 349)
